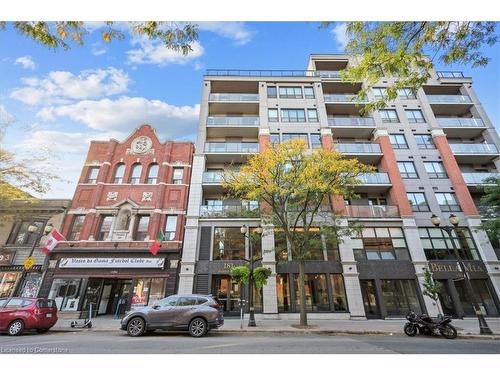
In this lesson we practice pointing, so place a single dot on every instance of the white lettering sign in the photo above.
(112, 263)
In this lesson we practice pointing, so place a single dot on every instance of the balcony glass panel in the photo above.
(351, 121)
(343, 98)
(226, 147)
(233, 120)
(250, 209)
(449, 122)
(328, 73)
(358, 148)
(473, 148)
(478, 177)
(234, 97)
(212, 177)
(449, 99)
(375, 178)
(450, 74)
(373, 211)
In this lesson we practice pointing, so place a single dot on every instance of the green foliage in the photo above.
(260, 276)
(240, 274)
(431, 289)
(491, 201)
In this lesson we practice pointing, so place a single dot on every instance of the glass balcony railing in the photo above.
(233, 120)
(343, 98)
(212, 177)
(351, 121)
(358, 148)
(489, 212)
(479, 177)
(473, 148)
(328, 73)
(455, 99)
(242, 210)
(450, 74)
(231, 147)
(373, 211)
(232, 97)
(451, 122)
(272, 73)
(378, 178)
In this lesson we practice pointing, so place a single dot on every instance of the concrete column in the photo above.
(337, 201)
(269, 296)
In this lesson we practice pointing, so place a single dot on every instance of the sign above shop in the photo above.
(453, 266)
(29, 263)
(112, 263)
(6, 258)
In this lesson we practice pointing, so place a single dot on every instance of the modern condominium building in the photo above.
(431, 150)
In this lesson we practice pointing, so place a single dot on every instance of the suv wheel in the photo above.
(136, 327)
(15, 328)
(197, 327)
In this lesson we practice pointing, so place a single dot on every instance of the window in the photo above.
(229, 244)
(389, 115)
(92, 175)
(316, 292)
(141, 228)
(272, 115)
(74, 234)
(283, 292)
(177, 176)
(135, 174)
(418, 202)
(437, 243)
(20, 235)
(435, 169)
(8, 283)
(398, 141)
(288, 136)
(169, 301)
(400, 297)
(148, 292)
(309, 92)
(187, 301)
(312, 115)
(104, 228)
(407, 169)
(338, 292)
(152, 174)
(293, 115)
(170, 227)
(119, 173)
(315, 140)
(447, 202)
(380, 243)
(275, 138)
(424, 141)
(414, 115)
(322, 246)
(291, 92)
(406, 93)
(379, 92)
(271, 92)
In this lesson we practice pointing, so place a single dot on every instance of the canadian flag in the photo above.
(52, 240)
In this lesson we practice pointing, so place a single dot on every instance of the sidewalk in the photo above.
(466, 327)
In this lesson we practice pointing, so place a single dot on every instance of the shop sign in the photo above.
(6, 258)
(452, 266)
(29, 263)
(112, 263)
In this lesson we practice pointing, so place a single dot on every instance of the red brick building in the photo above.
(128, 193)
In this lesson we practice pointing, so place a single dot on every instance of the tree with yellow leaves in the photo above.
(293, 185)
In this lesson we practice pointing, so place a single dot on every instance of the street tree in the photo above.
(491, 201)
(294, 185)
(431, 288)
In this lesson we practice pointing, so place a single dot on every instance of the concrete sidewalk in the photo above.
(466, 327)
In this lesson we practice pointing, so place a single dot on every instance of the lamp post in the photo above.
(454, 221)
(32, 229)
(246, 233)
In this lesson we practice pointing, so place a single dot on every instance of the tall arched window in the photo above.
(119, 172)
(152, 174)
(135, 174)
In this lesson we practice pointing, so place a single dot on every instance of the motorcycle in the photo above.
(425, 325)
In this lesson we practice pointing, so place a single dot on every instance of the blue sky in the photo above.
(57, 101)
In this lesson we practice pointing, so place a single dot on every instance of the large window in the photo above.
(414, 115)
(76, 227)
(92, 175)
(135, 174)
(380, 243)
(424, 141)
(283, 293)
(447, 202)
(148, 291)
(271, 91)
(229, 244)
(309, 92)
(338, 292)
(170, 227)
(389, 115)
(104, 228)
(288, 136)
(379, 92)
(437, 243)
(418, 202)
(290, 92)
(312, 115)
(152, 174)
(272, 115)
(119, 173)
(21, 236)
(407, 169)
(178, 176)
(321, 246)
(398, 141)
(8, 281)
(406, 93)
(275, 138)
(66, 293)
(141, 228)
(400, 296)
(293, 115)
(316, 292)
(435, 169)
(315, 140)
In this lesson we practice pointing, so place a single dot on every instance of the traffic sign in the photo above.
(28, 263)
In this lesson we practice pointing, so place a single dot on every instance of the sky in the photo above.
(55, 102)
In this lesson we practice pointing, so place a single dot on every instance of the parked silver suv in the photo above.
(193, 312)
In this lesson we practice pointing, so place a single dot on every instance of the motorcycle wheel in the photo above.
(410, 329)
(448, 331)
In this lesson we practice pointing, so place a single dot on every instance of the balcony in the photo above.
(474, 153)
(450, 104)
(232, 97)
(452, 77)
(373, 211)
(364, 152)
(223, 152)
(468, 127)
(237, 126)
(475, 180)
(377, 182)
(246, 210)
(343, 98)
(454, 99)
(352, 126)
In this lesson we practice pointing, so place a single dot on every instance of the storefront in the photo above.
(11, 273)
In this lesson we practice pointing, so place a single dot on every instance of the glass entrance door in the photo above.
(227, 292)
(370, 299)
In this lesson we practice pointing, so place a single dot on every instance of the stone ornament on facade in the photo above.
(141, 145)
(147, 196)
(112, 196)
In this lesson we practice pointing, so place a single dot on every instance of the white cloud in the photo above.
(340, 34)
(26, 62)
(5, 117)
(154, 52)
(59, 86)
(236, 31)
(58, 142)
(98, 49)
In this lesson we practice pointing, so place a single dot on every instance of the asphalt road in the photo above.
(217, 343)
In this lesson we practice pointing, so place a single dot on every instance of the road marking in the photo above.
(221, 346)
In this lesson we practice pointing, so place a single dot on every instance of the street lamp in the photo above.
(454, 221)
(245, 231)
(32, 229)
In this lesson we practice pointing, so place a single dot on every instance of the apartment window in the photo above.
(379, 92)
(398, 141)
(316, 292)
(289, 136)
(271, 92)
(272, 115)
(315, 140)
(437, 243)
(135, 174)
(312, 115)
(119, 173)
(380, 244)
(389, 115)
(293, 115)
(20, 235)
(407, 169)
(414, 115)
(309, 92)
(177, 176)
(141, 228)
(275, 138)
(435, 169)
(406, 93)
(400, 296)
(104, 228)
(418, 202)
(170, 227)
(152, 174)
(76, 226)
(424, 141)
(291, 92)
(447, 202)
(229, 244)
(92, 175)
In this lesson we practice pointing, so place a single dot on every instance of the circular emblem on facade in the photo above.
(141, 144)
